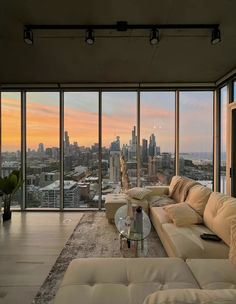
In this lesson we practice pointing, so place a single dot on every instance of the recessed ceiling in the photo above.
(64, 57)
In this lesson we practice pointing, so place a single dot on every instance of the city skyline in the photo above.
(156, 117)
(81, 170)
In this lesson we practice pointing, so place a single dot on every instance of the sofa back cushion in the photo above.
(219, 212)
(197, 198)
(232, 251)
(180, 187)
(175, 179)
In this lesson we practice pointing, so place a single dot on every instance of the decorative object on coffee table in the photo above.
(8, 187)
(134, 232)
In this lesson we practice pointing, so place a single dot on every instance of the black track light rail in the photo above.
(119, 26)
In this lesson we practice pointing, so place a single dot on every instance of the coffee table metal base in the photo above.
(130, 245)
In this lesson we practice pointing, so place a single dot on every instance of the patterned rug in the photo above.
(92, 237)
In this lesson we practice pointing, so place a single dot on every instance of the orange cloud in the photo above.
(43, 126)
(11, 125)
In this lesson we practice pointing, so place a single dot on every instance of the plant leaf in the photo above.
(1, 183)
(10, 184)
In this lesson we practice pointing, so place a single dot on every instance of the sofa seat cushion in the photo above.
(197, 198)
(213, 273)
(186, 242)
(218, 214)
(159, 217)
(192, 296)
(121, 280)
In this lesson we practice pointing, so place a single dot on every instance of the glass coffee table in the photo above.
(129, 232)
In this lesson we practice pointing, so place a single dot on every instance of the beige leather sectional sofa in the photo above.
(217, 211)
(196, 272)
(148, 281)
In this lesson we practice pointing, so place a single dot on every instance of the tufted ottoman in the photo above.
(114, 202)
(121, 281)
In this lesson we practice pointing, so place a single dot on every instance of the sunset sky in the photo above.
(119, 117)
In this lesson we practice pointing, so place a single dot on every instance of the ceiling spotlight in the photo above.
(89, 37)
(154, 36)
(28, 36)
(215, 36)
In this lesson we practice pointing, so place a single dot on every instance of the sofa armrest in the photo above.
(158, 190)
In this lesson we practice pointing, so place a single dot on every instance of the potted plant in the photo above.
(8, 187)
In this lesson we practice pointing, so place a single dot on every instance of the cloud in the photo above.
(11, 126)
(119, 117)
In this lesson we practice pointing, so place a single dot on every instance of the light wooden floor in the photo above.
(29, 246)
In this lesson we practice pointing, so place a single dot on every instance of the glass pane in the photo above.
(223, 118)
(234, 95)
(119, 139)
(42, 164)
(196, 136)
(81, 187)
(11, 136)
(157, 138)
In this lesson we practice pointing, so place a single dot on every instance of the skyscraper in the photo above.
(134, 137)
(41, 148)
(115, 145)
(152, 145)
(67, 143)
(115, 166)
(151, 166)
(67, 139)
(133, 145)
(144, 151)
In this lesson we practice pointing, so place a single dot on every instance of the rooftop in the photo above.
(56, 185)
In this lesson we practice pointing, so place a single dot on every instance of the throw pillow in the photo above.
(232, 250)
(182, 214)
(138, 193)
(197, 198)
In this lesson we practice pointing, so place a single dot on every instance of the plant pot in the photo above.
(6, 216)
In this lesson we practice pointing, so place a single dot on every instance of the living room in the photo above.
(103, 106)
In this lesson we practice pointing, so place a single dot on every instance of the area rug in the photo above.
(92, 237)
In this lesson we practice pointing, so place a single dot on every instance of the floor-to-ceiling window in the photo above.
(11, 136)
(119, 127)
(234, 91)
(43, 154)
(119, 141)
(196, 135)
(157, 137)
(81, 147)
(223, 129)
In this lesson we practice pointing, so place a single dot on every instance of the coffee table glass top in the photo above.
(129, 231)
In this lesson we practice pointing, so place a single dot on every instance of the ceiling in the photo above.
(64, 57)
